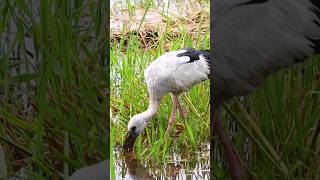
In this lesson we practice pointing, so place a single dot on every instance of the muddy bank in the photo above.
(157, 19)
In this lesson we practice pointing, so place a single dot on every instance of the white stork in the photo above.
(173, 72)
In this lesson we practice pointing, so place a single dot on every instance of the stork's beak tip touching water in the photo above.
(129, 141)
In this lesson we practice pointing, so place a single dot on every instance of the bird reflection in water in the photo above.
(135, 170)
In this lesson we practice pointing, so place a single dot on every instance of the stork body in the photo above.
(256, 38)
(177, 71)
(173, 72)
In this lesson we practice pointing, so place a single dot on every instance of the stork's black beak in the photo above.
(130, 139)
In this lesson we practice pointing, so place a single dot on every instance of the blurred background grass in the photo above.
(276, 129)
(53, 86)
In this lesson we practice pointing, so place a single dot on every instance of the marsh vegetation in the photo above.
(276, 129)
(53, 87)
(152, 31)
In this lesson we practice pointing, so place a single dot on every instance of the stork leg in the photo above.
(173, 113)
(182, 110)
(236, 167)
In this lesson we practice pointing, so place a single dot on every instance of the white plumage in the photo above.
(170, 73)
(175, 72)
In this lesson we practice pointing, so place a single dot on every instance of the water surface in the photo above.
(182, 166)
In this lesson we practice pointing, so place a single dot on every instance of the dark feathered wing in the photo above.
(194, 54)
(256, 38)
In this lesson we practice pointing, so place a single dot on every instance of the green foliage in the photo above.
(282, 120)
(53, 105)
(129, 96)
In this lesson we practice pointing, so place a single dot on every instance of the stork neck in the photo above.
(152, 109)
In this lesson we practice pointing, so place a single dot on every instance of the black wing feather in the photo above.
(194, 54)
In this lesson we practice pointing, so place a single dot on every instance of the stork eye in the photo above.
(133, 128)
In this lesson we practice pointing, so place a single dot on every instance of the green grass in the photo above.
(133, 95)
(53, 106)
(276, 129)
(282, 120)
(129, 95)
(65, 86)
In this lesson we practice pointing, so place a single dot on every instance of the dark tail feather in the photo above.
(315, 45)
(316, 42)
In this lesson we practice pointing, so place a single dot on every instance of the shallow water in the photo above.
(190, 165)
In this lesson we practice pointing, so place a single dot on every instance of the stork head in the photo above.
(136, 125)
